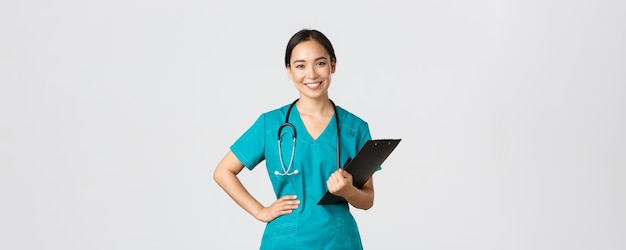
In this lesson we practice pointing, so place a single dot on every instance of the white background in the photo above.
(512, 114)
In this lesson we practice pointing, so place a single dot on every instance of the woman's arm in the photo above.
(225, 175)
(340, 183)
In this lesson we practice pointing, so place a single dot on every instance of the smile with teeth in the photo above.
(313, 85)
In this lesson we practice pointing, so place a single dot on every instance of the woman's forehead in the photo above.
(309, 50)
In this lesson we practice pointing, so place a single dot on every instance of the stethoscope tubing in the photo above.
(294, 137)
(280, 150)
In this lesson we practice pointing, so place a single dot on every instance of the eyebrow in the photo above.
(316, 59)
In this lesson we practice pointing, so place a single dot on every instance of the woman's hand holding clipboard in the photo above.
(365, 163)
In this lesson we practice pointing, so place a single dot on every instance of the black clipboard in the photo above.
(364, 164)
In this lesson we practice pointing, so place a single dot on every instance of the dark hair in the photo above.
(306, 35)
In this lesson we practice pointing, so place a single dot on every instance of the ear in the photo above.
(333, 65)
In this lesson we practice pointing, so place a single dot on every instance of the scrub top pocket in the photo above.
(281, 233)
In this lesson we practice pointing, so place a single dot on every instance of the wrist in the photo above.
(351, 192)
(257, 213)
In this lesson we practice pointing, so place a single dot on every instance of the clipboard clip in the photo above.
(376, 144)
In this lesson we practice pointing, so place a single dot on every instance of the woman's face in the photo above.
(310, 68)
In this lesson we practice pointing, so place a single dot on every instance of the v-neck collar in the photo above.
(323, 137)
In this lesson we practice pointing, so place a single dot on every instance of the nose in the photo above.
(312, 74)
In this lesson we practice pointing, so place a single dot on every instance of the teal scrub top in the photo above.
(310, 226)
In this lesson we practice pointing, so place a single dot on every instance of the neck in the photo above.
(315, 107)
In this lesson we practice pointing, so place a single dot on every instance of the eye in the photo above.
(321, 64)
(299, 66)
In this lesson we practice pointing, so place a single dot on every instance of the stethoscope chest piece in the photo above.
(286, 172)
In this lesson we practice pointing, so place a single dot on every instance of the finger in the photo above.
(339, 179)
(288, 197)
(332, 180)
(339, 182)
(289, 201)
(340, 172)
(285, 208)
(335, 176)
(331, 189)
(290, 207)
(332, 185)
(344, 173)
(285, 212)
(292, 204)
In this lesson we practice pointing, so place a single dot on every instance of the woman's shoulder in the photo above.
(350, 117)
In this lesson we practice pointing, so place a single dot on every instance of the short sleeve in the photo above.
(250, 147)
(363, 135)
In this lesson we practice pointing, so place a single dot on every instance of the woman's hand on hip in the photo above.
(284, 205)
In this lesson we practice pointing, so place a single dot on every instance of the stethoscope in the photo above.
(293, 138)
